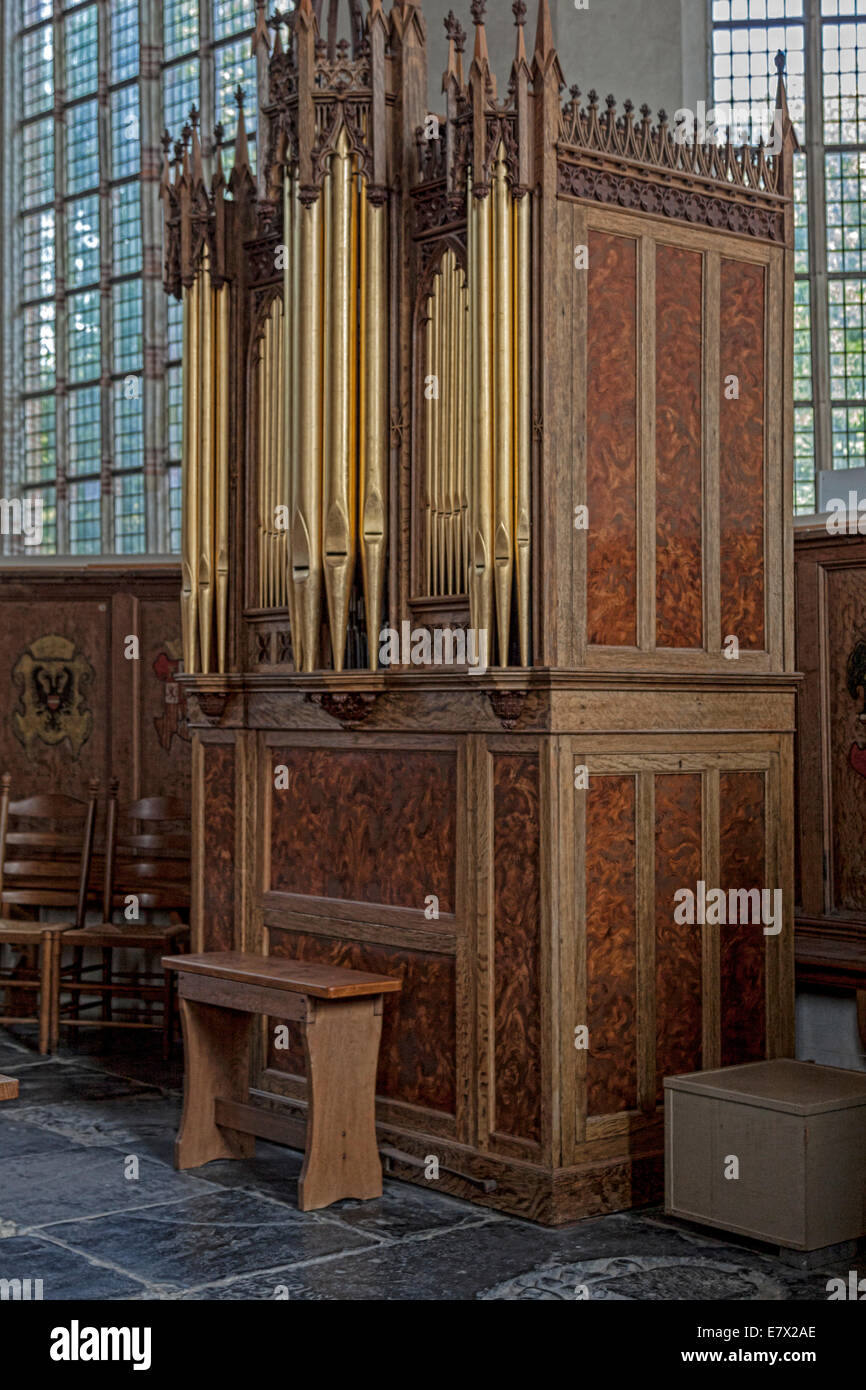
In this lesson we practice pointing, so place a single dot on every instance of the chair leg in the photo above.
(107, 956)
(46, 991)
(56, 956)
(77, 965)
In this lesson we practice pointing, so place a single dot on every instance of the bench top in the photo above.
(295, 976)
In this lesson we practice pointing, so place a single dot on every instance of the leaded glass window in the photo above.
(92, 386)
(825, 42)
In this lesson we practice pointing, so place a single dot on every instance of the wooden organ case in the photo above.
(521, 373)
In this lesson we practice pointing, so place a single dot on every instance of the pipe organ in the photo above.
(488, 626)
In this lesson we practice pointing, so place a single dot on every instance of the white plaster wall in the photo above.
(650, 50)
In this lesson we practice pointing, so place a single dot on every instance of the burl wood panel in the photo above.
(611, 441)
(516, 963)
(679, 424)
(126, 718)
(742, 957)
(375, 826)
(846, 643)
(741, 454)
(678, 817)
(611, 945)
(218, 907)
(417, 1055)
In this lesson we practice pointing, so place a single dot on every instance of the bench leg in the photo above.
(216, 1064)
(341, 1042)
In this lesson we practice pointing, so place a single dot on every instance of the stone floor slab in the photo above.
(64, 1273)
(42, 1189)
(215, 1236)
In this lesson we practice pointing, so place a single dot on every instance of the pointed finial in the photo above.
(519, 12)
(242, 154)
(260, 33)
(165, 181)
(781, 94)
(482, 55)
(545, 49)
(195, 146)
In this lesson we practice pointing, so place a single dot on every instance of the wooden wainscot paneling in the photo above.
(831, 735)
(117, 715)
(678, 954)
(845, 658)
(741, 454)
(611, 944)
(516, 948)
(215, 926)
(742, 864)
(611, 413)
(678, 434)
(418, 1052)
(377, 825)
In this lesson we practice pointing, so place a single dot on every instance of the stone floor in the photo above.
(90, 1204)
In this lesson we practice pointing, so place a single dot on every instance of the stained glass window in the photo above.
(89, 429)
(825, 42)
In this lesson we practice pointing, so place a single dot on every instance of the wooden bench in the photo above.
(8, 1088)
(340, 1016)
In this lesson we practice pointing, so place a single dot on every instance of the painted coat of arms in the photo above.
(173, 720)
(52, 676)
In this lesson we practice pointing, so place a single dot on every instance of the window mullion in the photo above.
(817, 202)
(106, 326)
(207, 81)
(154, 309)
(61, 328)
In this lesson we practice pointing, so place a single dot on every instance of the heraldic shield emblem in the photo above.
(52, 676)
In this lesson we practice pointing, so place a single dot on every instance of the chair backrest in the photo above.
(147, 853)
(46, 849)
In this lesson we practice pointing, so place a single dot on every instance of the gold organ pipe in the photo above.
(447, 413)
(467, 417)
(466, 432)
(483, 480)
(441, 429)
(293, 288)
(278, 452)
(268, 454)
(188, 470)
(195, 464)
(374, 470)
(453, 414)
(280, 456)
(306, 523)
(222, 475)
(503, 394)
(287, 455)
(523, 433)
(363, 377)
(277, 411)
(471, 399)
(436, 416)
(263, 463)
(206, 510)
(339, 473)
(428, 450)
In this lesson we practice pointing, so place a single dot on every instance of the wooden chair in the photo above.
(146, 869)
(46, 845)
